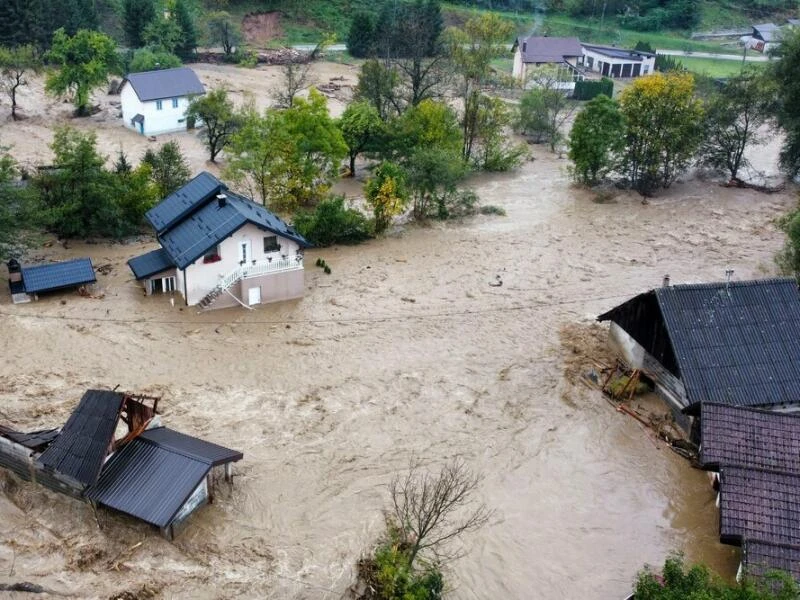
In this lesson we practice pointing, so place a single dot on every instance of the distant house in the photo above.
(563, 53)
(764, 37)
(734, 343)
(148, 471)
(617, 62)
(220, 249)
(155, 102)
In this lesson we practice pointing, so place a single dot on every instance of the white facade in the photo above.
(166, 115)
(608, 65)
(522, 70)
(246, 245)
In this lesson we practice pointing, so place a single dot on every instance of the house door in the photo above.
(254, 296)
(637, 70)
(245, 253)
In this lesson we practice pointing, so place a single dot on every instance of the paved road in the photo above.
(752, 56)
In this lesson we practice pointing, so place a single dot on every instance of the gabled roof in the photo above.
(150, 263)
(166, 83)
(734, 343)
(760, 505)
(611, 52)
(153, 476)
(56, 276)
(548, 49)
(731, 435)
(190, 239)
(85, 439)
(769, 32)
(759, 558)
(183, 201)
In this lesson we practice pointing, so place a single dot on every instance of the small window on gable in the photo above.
(271, 244)
(174, 103)
(159, 105)
(212, 256)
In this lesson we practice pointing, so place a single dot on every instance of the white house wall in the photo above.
(167, 120)
(518, 70)
(202, 278)
(647, 63)
(131, 106)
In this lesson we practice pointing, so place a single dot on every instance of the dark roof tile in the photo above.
(166, 83)
(548, 49)
(151, 263)
(55, 276)
(182, 202)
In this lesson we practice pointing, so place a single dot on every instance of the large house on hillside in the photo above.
(220, 249)
(155, 102)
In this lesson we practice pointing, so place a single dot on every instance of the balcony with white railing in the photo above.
(256, 268)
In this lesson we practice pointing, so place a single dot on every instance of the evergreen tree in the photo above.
(136, 15)
(361, 38)
(183, 17)
(80, 14)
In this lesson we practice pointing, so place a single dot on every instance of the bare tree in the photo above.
(296, 76)
(432, 509)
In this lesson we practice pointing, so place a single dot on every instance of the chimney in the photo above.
(665, 282)
(222, 200)
(524, 46)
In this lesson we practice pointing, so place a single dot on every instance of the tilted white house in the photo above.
(565, 54)
(219, 249)
(617, 62)
(155, 102)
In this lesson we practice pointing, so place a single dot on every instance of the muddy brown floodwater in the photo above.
(405, 349)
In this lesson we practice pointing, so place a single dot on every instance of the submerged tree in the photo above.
(219, 119)
(15, 65)
(596, 138)
(168, 168)
(387, 194)
(361, 127)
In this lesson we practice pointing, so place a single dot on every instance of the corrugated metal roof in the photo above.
(731, 435)
(55, 276)
(86, 437)
(548, 49)
(736, 343)
(759, 558)
(191, 447)
(760, 505)
(183, 201)
(151, 263)
(166, 83)
(35, 440)
(195, 235)
(148, 481)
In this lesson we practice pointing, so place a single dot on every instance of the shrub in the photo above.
(587, 89)
(491, 209)
(331, 222)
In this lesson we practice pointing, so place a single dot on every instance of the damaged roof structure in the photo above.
(153, 473)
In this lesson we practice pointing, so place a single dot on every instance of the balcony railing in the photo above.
(262, 267)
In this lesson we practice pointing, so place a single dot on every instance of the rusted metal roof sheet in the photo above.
(731, 435)
(85, 439)
(759, 558)
(192, 447)
(760, 505)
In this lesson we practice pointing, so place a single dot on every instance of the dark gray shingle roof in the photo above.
(167, 83)
(759, 558)
(56, 276)
(736, 343)
(183, 201)
(732, 435)
(151, 263)
(760, 505)
(548, 49)
(86, 437)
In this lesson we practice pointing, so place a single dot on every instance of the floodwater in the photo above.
(403, 350)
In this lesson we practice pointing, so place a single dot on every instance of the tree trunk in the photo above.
(352, 164)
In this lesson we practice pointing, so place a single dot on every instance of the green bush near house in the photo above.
(332, 222)
(586, 90)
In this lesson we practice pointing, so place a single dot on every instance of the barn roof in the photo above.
(760, 505)
(56, 276)
(165, 83)
(85, 439)
(734, 343)
(152, 477)
(732, 435)
(548, 49)
(150, 263)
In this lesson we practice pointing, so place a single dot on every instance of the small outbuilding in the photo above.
(28, 281)
(155, 102)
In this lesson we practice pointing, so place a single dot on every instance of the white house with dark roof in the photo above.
(220, 249)
(564, 54)
(613, 62)
(155, 102)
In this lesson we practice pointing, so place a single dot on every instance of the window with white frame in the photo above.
(159, 105)
(174, 103)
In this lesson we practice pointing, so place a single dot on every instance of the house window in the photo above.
(645, 70)
(159, 106)
(174, 103)
(271, 244)
(212, 256)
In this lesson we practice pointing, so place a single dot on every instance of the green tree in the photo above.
(168, 168)
(377, 84)
(663, 129)
(545, 108)
(734, 116)
(362, 128)
(136, 16)
(84, 62)
(15, 65)
(361, 36)
(146, 59)
(386, 193)
(332, 222)
(18, 208)
(433, 173)
(472, 50)
(163, 34)
(494, 151)
(430, 124)
(219, 119)
(222, 30)
(596, 138)
(786, 74)
(183, 18)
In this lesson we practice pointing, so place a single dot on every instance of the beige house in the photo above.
(219, 249)
(565, 54)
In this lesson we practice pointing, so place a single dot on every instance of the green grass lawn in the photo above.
(715, 68)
